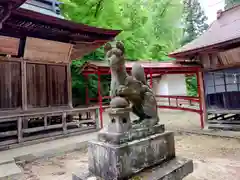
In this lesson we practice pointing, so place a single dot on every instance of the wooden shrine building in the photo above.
(36, 49)
(218, 52)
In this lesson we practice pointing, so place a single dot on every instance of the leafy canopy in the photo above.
(151, 28)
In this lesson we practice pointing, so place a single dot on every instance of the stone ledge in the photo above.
(10, 171)
(175, 169)
(131, 135)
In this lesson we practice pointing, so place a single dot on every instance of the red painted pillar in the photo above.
(200, 100)
(86, 89)
(100, 100)
(151, 78)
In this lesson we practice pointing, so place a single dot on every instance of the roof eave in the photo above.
(184, 54)
(62, 22)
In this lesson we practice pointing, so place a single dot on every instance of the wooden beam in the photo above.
(86, 89)
(69, 84)
(45, 122)
(47, 51)
(69, 78)
(24, 84)
(64, 122)
(20, 130)
(205, 60)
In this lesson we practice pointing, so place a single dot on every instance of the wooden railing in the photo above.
(46, 125)
(184, 103)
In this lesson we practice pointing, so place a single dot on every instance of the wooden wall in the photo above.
(39, 79)
(10, 85)
(222, 79)
(221, 59)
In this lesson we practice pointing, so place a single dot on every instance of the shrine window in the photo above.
(222, 89)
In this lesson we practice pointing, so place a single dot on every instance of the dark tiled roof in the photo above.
(221, 32)
(24, 22)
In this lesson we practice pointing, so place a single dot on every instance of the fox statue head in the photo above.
(115, 55)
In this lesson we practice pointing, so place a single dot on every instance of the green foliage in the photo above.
(192, 86)
(231, 3)
(150, 30)
(194, 21)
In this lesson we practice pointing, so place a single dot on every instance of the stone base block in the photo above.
(132, 134)
(175, 169)
(113, 162)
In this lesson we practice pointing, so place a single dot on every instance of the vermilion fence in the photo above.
(184, 103)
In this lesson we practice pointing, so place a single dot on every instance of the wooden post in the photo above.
(24, 91)
(69, 84)
(86, 89)
(201, 95)
(100, 100)
(24, 84)
(45, 122)
(64, 115)
(19, 127)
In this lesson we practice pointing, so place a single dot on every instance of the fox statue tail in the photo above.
(138, 73)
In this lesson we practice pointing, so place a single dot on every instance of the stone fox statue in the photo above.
(133, 88)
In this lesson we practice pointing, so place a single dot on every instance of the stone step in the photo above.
(10, 171)
(6, 160)
(175, 169)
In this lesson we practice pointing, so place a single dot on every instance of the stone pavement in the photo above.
(9, 158)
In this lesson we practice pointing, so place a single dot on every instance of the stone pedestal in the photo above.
(122, 151)
(121, 161)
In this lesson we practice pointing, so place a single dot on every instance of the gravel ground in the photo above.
(214, 158)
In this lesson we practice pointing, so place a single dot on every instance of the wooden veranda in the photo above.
(35, 76)
(151, 68)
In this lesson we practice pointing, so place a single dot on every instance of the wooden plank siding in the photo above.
(57, 86)
(47, 51)
(9, 45)
(46, 85)
(220, 60)
(10, 85)
(40, 79)
(36, 85)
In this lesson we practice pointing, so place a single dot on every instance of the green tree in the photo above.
(146, 24)
(231, 3)
(194, 22)
(150, 28)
